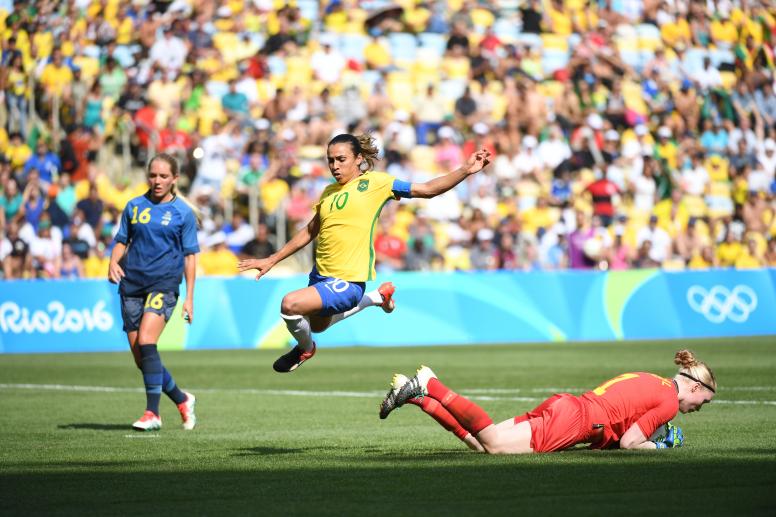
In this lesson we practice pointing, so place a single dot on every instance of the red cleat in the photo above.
(386, 291)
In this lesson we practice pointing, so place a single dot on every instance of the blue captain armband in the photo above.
(402, 188)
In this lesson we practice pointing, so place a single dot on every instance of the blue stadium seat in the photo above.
(434, 42)
(308, 9)
(403, 46)
(553, 60)
(507, 30)
(530, 40)
(352, 46)
(693, 60)
(719, 56)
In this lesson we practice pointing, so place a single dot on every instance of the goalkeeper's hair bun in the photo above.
(689, 364)
(685, 359)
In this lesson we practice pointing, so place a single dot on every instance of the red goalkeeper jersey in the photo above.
(645, 399)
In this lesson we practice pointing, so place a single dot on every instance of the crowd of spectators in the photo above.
(625, 134)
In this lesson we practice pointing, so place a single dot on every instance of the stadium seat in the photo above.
(433, 42)
(553, 60)
(530, 40)
(555, 42)
(403, 46)
(649, 37)
(506, 30)
(721, 57)
(401, 90)
(352, 46)
(693, 60)
(308, 9)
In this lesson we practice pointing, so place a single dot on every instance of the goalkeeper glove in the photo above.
(674, 438)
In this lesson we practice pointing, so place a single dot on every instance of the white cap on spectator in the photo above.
(485, 234)
(262, 124)
(481, 128)
(664, 132)
(215, 239)
(401, 115)
(769, 144)
(224, 11)
(559, 229)
(595, 121)
(612, 135)
(446, 132)
(530, 141)
(641, 130)
(288, 134)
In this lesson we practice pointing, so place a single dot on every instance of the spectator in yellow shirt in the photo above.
(749, 258)
(96, 264)
(56, 76)
(729, 250)
(218, 260)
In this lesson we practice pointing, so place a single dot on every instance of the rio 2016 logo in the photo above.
(720, 303)
(56, 318)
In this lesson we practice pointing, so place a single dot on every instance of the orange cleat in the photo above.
(386, 291)
(148, 422)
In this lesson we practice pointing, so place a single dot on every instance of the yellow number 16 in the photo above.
(600, 390)
(144, 217)
(155, 301)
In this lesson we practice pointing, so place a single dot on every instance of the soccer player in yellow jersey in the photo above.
(344, 224)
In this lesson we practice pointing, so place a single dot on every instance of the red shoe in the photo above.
(148, 422)
(186, 409)
(386, 291)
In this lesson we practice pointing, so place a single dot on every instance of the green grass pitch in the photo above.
(311, 442)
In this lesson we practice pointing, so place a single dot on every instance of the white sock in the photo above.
(299, 327)
(368, 300)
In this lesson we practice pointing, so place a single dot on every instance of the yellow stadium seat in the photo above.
(482, 17)
(729, 79)
(401, 90)
(555, 42)
(423, 158)
(550, 89)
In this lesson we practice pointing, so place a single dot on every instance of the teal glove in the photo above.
(674, 437)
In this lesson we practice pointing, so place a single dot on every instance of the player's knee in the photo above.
(291, 305)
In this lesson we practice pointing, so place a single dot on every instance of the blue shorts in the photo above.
(133, 307)
(337, 295)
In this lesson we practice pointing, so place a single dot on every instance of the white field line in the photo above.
(475, 394)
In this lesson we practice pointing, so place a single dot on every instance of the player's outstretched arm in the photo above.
(304, 237)
(476, 162)
(115, 273)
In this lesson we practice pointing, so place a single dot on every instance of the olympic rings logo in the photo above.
(718, 303)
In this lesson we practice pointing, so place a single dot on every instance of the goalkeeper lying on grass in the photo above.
(629, 412)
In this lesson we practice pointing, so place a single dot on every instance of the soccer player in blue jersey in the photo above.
(344, 224)
(155, 246)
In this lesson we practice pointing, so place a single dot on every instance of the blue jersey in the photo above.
(158, 235)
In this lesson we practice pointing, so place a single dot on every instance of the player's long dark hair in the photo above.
(175, 170)
(361, 144)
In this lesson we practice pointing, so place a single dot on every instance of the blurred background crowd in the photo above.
(625, 134)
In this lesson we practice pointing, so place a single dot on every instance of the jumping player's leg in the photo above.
(299, 309)
(382, 296)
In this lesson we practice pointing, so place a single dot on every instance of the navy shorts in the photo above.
(338, 295)
(133, 307)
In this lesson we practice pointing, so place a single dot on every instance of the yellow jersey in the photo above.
(348, 215)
